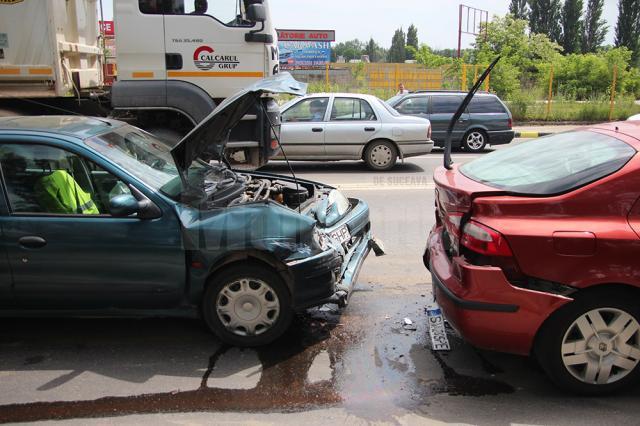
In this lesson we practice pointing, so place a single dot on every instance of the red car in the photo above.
(536, 250)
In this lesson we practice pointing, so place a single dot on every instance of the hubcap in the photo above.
(475, 140)
(381, 155)
(247, 307)
(602, 346)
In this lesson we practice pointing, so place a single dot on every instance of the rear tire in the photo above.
(380, 155)
(475, 140)
(247, 305)
(592, 345)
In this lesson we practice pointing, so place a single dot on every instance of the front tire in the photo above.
(475, 141)
(247, 305)
(592, 346)
(380, 155)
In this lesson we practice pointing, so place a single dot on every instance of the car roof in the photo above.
(81, 127)
(447, 93)
(340, 95)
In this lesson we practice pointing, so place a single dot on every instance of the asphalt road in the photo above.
(354, 367)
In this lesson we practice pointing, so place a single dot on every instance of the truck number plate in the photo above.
(439, 340)
(341, 234)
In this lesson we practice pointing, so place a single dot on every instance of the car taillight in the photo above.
(484, 240)
(452, 223)
(510, 123)
(429, 132)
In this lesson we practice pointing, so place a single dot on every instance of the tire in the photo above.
(559, 347)
(240, 301)
(380, 155)
(475, 140)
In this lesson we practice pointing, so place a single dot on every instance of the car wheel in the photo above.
(475, 140)
(592, 346)
(247, 305)
(380, 155)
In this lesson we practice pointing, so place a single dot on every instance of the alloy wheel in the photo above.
(475, 140)
(247, 307)
(602, 346)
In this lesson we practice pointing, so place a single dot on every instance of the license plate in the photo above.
(341, 234)
(439, 339)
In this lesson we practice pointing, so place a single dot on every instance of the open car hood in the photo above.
(209, 138)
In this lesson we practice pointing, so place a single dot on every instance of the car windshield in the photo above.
(552, 164)
(145, 157)
(388, 107)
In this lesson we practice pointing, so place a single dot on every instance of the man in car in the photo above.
(317, 108)
(200, 7)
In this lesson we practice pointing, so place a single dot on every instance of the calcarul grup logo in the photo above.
(205, 58)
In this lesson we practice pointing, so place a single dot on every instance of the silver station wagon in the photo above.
(348, 126)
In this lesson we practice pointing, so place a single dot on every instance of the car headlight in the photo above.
(330, 209)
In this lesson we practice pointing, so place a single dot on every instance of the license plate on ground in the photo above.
(341, 234)
(439, 339)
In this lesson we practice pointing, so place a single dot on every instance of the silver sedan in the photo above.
(347, 126)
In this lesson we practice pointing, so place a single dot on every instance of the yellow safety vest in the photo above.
(60, 193)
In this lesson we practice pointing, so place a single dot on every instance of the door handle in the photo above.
(369, 129)
(32, 242)
(316, 129)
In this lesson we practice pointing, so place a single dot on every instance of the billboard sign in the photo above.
(107, 28)
(306, 35)
(304, 54)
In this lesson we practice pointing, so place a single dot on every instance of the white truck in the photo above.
(176, 60)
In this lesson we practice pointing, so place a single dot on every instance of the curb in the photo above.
(532, 134)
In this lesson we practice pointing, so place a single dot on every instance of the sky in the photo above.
(437, 20)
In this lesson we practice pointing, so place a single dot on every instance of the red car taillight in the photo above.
(510, 123)
(484, 240)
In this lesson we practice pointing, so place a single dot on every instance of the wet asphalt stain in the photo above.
(456, 384)
(33, 360)
(282, 386)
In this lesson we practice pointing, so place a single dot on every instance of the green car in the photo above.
(486, 121)
(98, 217)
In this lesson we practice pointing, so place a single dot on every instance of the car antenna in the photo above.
(67, 111)
(447, 144)
(284, 154)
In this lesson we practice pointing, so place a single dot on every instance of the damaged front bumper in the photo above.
(329, 277)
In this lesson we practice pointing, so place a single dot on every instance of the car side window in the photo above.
(309, 110)
(486, 105)
(414, 105)
(42, 179)
(445, 104)
(352, 109)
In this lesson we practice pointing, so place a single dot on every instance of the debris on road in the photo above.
(407, 324)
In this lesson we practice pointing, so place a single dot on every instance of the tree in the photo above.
(397, 52)
(594, 28)
(571, 25)
(628, 26)
(375, 52)
(351, 49)
(544, 18)
(412, 40)
(519, 9)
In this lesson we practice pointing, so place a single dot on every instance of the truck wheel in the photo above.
(592, 346)
(247, 305)
(380, 155)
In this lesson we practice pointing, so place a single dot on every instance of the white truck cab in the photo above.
(187, 55)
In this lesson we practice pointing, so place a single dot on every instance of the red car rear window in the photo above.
(552, 164)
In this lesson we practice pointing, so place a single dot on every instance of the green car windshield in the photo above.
(147, 158)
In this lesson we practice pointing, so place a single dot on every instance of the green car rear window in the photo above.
(551, 165)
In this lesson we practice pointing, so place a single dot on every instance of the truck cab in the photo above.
(188, 55)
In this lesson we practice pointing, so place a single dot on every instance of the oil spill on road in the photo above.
(282, 385)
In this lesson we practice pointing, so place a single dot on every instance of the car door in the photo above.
(352, 123)
(67, 251)
(6, 280)
(442, 108)
(303, 128)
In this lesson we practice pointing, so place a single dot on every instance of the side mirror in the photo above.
(123, 205)
(256, 13)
